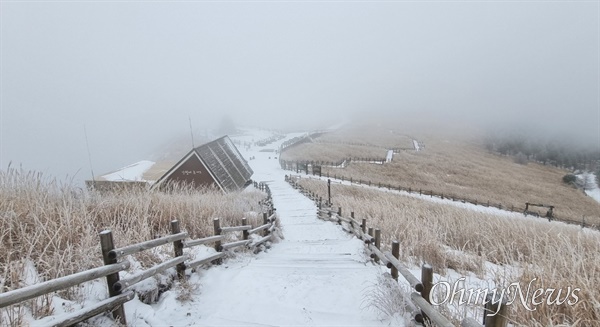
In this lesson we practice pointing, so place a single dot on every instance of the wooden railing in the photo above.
(447, 196)
(115, 260)
(308, 166)
(269, 140)
(418, 300)
(395, 149)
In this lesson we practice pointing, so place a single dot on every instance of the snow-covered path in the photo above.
(316, 276)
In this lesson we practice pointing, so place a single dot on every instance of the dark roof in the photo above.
(224, 162)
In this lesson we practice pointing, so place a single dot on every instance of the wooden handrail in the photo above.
(235, 228)
(29, 292)
(205, 240)
(72, 318)
(202, 261)
(432, 314)
(139, 247)
(232, 245)
(259, 228)
(126, 282)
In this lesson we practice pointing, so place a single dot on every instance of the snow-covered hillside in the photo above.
(590, 185)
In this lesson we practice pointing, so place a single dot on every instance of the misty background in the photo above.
(135, 73)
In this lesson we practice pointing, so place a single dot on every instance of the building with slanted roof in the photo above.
(217, 163)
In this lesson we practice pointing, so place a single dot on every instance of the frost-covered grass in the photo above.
(56, 225)
(504, 249)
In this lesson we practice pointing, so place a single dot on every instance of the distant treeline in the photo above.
(560, 153)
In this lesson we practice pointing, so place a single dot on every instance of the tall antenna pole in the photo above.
(88, 151)
(191, 131)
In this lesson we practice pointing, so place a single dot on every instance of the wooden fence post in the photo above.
(364, 225)
(396, 254)
(370, 231)
(265, 221)
(107, 244)
(352, 221)
(245, 233)
(492, 305)
(377, 241)
(427, 281)
(178, 247)
(217, 231)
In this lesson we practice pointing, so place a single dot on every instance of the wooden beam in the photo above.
(235, 228)
(29, 292)
(206, 260)
(139, 247)
(232, 245)
(72, 318)
(262, 240)
(259, 228)
(412, 280)
(126, 282)
(435, 316)
(200, 241)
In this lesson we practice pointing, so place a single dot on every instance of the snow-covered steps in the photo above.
(316, 276)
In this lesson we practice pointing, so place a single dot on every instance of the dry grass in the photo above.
(558, 255)
(461, 167)
(56, 226)
(377, 136)
(331, 152)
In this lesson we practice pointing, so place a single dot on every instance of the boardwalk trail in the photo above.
(316, 276)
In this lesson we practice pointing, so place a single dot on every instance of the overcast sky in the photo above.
(134, 73)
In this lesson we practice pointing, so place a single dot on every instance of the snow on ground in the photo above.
(591, 187)
(249, 135)
(416, 145)
(132, 172)
(317, 275)
(390, 156)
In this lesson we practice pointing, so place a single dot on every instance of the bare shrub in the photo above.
(386, 297)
